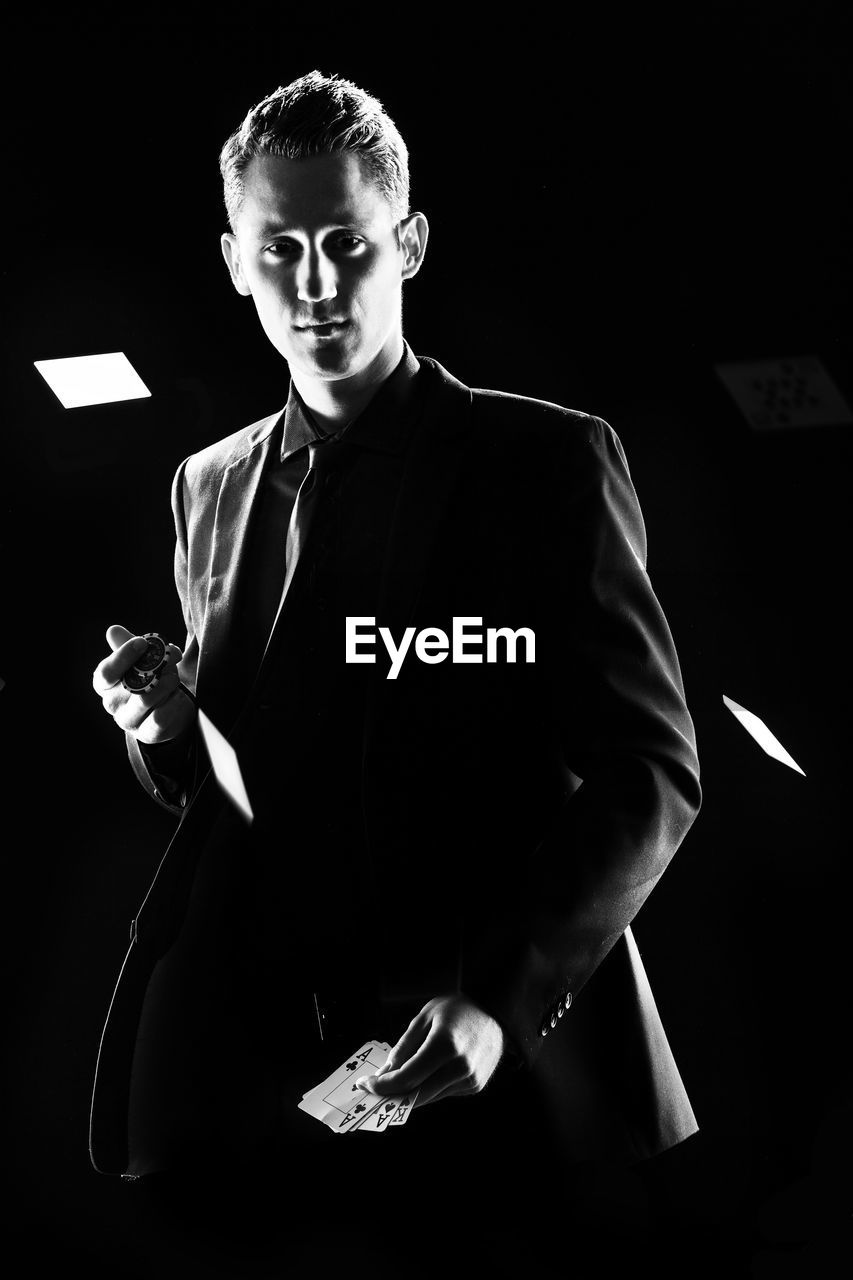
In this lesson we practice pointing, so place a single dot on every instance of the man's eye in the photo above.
(347, 241)
(281, 248)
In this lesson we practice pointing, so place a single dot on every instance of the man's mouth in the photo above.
(323, 326)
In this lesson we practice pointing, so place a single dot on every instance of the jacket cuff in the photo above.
(524, 992)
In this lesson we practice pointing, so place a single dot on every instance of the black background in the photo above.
(616, 203)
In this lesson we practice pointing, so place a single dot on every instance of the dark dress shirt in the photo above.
(375, 443)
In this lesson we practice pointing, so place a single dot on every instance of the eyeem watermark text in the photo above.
(432, 645)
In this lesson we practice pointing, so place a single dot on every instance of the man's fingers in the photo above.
(173, 653)
(108, 673)
(457, 1058)
(129, 710)
(450, 1081)
(117, 636)
(168, 719)
(159, 712)
(409, 1043)
(126, 648)
(436, 1050)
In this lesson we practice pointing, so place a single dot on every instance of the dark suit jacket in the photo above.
(545, 798)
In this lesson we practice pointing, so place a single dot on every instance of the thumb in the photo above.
(117, 636)
(405, 1048)
(370, 1081)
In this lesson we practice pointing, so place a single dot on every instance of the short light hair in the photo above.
(319, 115)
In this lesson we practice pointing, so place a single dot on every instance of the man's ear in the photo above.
(413, 232)
(231, 254)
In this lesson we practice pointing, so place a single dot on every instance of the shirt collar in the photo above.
(382, 424)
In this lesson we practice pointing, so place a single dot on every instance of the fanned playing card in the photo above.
(338, 1102)
(379, 1118)
(390, 1113)
(369, 1052)
(344, 1108)
(404, 1107)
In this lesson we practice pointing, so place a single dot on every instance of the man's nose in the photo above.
(316, 278)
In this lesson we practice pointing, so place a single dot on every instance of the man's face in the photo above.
(316, 249)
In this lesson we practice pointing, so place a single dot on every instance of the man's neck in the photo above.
(334, 404)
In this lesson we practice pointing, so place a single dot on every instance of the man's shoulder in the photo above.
(500, 412)
(215, 458)
(509, 406)
(504, 415)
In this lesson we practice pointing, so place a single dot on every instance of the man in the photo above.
(451, 835)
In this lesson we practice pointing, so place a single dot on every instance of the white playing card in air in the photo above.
(762, 735)
(223, 759)
(101, 379)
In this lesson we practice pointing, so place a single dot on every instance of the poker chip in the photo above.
(154, 656)
(137, 681)
(146, 669)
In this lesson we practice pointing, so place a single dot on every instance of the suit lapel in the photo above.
(235, 505)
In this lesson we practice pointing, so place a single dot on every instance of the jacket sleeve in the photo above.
(168, 771)
(615, 702)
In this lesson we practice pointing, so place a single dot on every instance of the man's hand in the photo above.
(158, 714)
(451, 1047)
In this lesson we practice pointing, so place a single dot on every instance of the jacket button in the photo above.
(561, 1010)
(553, 1020)
(568, 999)
(543, 1030)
